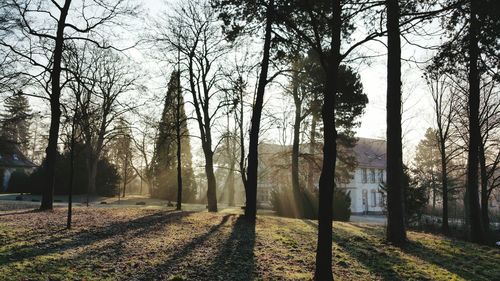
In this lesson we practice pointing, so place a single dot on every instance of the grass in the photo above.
(145, 244)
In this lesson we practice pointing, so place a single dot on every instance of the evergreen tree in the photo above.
(15, 121)
(164, 167)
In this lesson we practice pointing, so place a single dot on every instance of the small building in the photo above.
(12, 160)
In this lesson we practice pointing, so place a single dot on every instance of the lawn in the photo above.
(145, 244)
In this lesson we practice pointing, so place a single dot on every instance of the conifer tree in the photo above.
(164, 167)
(15, 121)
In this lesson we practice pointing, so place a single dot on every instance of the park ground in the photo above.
(163, 244)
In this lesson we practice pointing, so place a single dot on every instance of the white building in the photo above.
(364, 187)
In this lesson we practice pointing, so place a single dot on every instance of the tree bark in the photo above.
(330, 64)
(178, 124)
(125, 175)
(253, 160)
(211, 183)
(476, 228)
(295, 146)
(484, 189)
(55, 112)
(312, 149)
(444, 180)
(396, 232)
(72, 170)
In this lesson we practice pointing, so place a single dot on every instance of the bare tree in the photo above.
(444, 104)
(36, 34)
(193, 31)
(105, 77)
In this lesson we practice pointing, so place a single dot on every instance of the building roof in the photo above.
(369, 153)
(12, 157)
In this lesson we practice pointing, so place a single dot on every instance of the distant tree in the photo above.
(427, 163)
(101, 77)
(122, 153)
(164, 161)
(444, 104)
(143, 136)
(15, 121)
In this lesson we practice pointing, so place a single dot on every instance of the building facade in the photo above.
(365, 186)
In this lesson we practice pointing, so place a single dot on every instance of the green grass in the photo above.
(142, 244)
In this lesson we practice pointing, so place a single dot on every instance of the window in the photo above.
(381, 201)
(365, 175)
(381, 176)
(374, 198)
(14, 156)
(372, 175)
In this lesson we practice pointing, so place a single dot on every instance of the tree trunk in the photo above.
(55, 112)
(484, 190)
(178, 124)
(242, 143)
(211, 184)
(125, 176)
(444, 179)
(312, 149)
(253, 157)
(396, 232)
(330, 64)
(71, 171)
(230, 200)
(295, 147)
(476, 228)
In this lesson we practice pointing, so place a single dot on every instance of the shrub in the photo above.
(19, 182)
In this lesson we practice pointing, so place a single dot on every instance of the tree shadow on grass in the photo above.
(179, 255)
(471, 262)
(366, 250)
(467, 260)
(70, 240)
(235, 259)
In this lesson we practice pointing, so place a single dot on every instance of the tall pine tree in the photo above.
(164, 167)
(15, 121)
